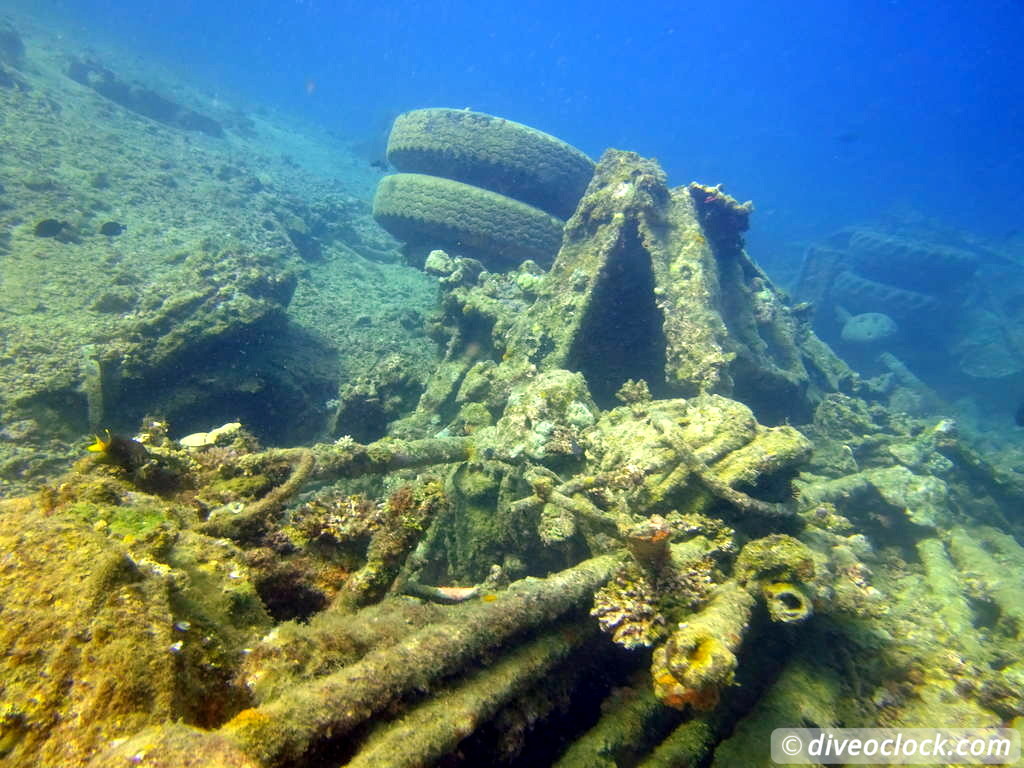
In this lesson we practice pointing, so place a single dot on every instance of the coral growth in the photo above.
(654, 588)
(638, 605)
(424, 597)
(699, 658)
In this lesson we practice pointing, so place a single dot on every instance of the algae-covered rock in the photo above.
(175, 745)
(868, 328)
(543, 421)
(945, 584)
(924, 499)
(991, 562)
(116, 615)
(88, 639)
(895, 492)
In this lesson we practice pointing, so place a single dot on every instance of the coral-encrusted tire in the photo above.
(492, 153)
(469, 221)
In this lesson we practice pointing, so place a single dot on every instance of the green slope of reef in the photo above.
(242, 254)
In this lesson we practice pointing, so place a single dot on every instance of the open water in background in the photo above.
(824, 112)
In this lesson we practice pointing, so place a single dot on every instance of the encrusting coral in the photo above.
(699, 658)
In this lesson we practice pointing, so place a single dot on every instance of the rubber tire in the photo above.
(858, 294)
(492, 153)
(431, 212)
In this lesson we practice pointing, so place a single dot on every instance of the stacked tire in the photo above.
(479, 186)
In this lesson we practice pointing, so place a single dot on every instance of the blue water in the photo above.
(824, 113)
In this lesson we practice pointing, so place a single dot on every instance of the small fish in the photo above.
(456, 594)
(1019, 416)
(49, 228)
(120, 450)
(443, 595)
(380, 165)
(112, 228)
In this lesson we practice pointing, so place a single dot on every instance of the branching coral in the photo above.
(626, 608)
(653, 589)
(634, 605)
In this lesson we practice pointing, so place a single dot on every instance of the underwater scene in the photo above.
(512, 384)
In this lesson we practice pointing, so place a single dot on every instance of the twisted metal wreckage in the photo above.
(641, 573)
